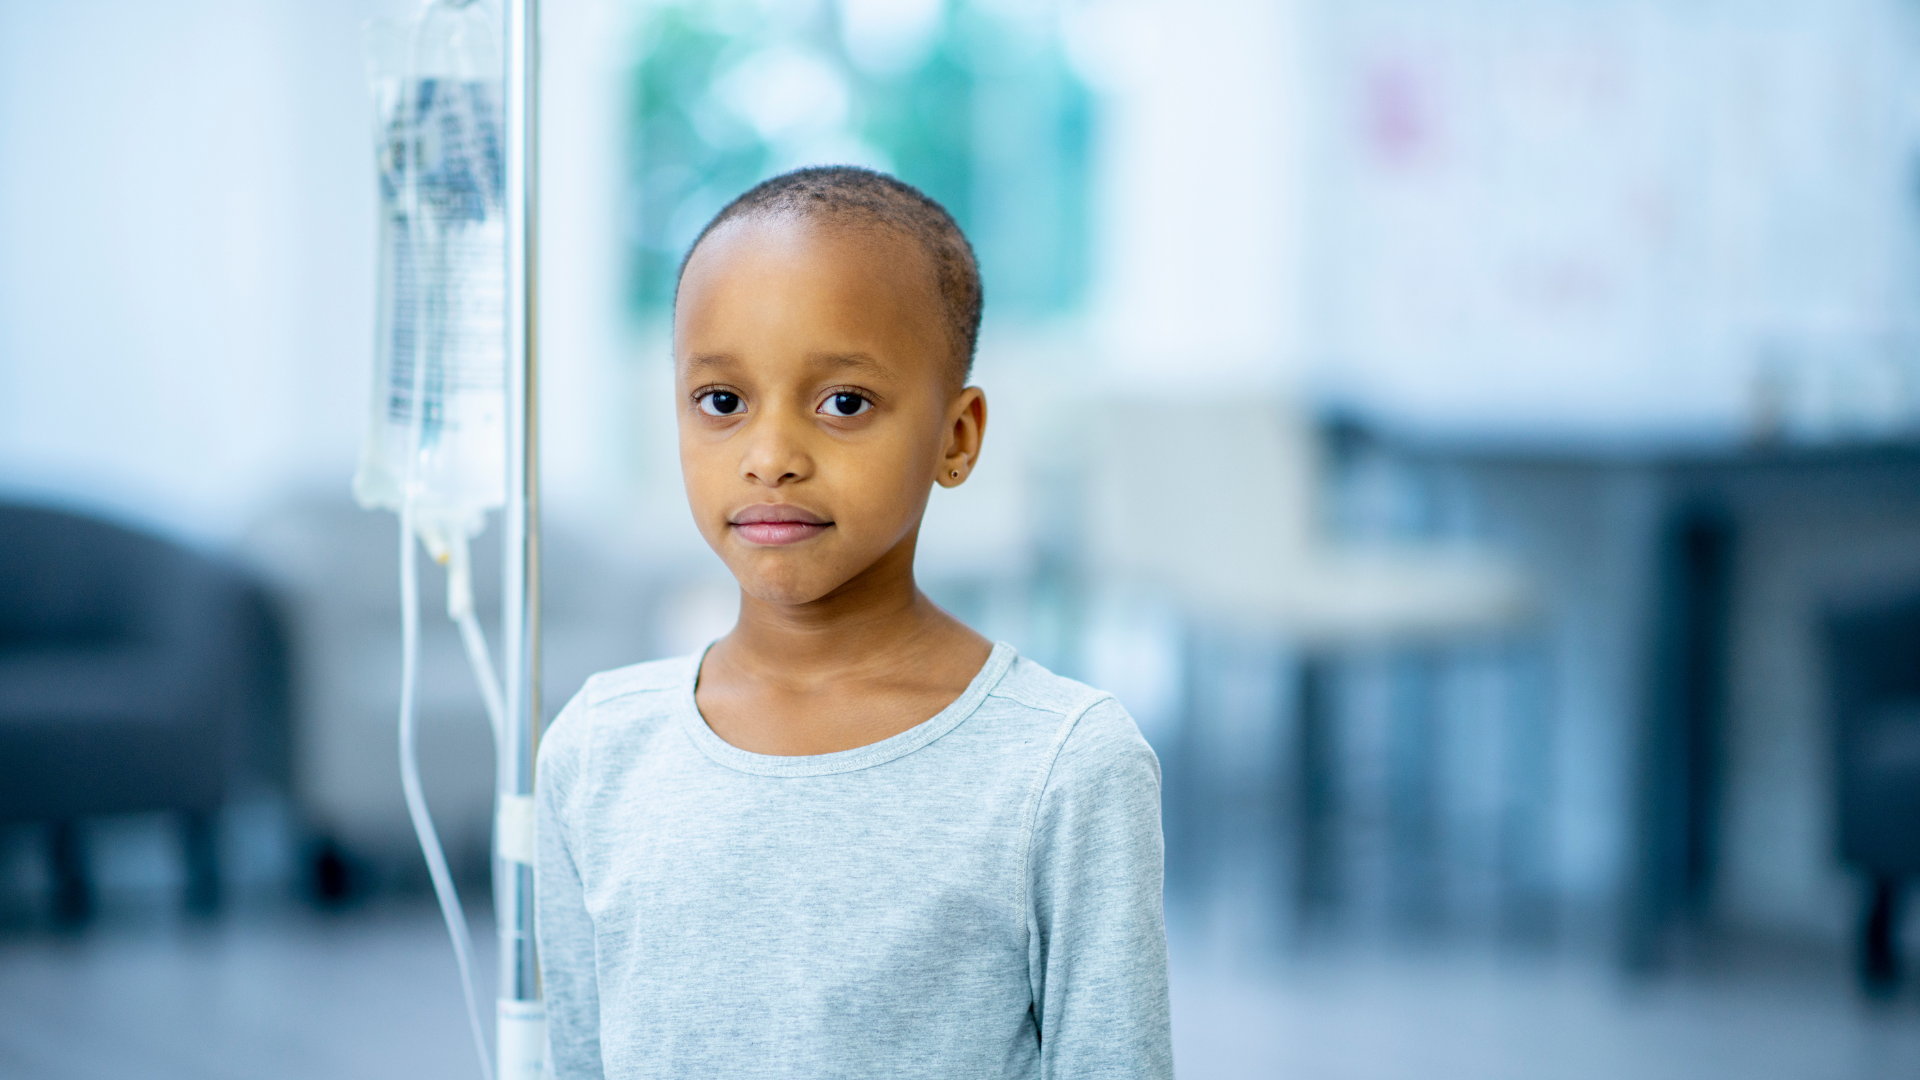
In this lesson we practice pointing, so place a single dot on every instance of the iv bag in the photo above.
(438, 410)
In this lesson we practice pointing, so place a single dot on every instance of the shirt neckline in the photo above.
(860, 757)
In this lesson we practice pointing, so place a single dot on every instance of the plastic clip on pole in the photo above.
(522, 1030)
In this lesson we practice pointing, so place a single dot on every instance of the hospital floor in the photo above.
(273, 990)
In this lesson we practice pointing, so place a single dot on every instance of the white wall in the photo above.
(185, 281)
(1611, 220)
(1197, 188)
(186, 252)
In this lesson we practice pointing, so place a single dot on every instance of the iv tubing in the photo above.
(410, 781)
(479, 657)
(482, 664)
(443, 889)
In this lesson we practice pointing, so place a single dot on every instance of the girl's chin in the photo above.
(781, 590)
(793, 576)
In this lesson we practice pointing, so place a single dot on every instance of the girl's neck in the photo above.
(876, 620)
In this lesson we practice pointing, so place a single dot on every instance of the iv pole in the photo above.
(521, 1034)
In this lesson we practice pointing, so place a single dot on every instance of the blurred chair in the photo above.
(1218, 506)
(1873, 664)
(135, 675)
(336, 566)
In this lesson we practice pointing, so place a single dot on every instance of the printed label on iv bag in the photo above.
(439, 397)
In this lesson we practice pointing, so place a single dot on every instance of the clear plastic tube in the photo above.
(447, 532)
(479, 657)
(443, 890)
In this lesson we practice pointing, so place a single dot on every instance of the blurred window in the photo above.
(971, 102)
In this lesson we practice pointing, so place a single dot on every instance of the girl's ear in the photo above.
(966, 429)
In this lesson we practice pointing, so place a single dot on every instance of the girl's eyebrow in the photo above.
(710, 361)
(837, 361)
(850, 361)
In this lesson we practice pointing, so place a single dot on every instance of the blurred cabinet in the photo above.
(1705, 777)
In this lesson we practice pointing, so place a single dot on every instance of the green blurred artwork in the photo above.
(975, 106)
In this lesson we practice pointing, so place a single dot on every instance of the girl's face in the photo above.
(816, 402)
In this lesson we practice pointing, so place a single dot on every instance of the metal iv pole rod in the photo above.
(522, 1015)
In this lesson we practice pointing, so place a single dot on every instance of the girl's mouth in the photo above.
(775, 524)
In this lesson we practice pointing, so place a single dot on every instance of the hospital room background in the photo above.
(1479, 440)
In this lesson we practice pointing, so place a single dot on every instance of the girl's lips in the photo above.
(774, 533)
(773, 524)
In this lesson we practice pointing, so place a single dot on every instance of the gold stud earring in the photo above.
(956, 474)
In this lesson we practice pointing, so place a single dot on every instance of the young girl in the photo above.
(852, 837)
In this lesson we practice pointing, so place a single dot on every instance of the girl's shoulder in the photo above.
(653, 676)
(613, 708)
(1092, 733)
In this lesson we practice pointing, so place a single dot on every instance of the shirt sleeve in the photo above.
(562, 926)
(1098, 943)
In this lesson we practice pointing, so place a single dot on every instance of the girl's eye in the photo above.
(845, 404)
(720, 403)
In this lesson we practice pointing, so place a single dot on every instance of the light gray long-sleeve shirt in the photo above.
(977, 896)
